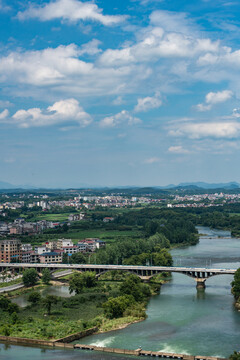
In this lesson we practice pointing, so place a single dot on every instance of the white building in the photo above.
(63, 243)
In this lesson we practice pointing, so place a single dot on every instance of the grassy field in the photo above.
(79, 234)
(51, 217)
(13, 282)
(107, 235)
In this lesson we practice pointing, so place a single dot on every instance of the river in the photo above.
(180, 319)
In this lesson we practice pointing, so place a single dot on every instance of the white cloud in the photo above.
(203, 107)
(222, 130)
(120, 118)
(213, 98)
(152, 160)
(60, 70)
(62, 111)
(218, 97)
(236, 113)
(71, 10)
(148, 103)
(4, 114)
(172, 21)
(155, 43)
(90, 48)
(162, 56)
(178, 150)
(48, 66)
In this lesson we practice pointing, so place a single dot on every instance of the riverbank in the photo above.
(237, 304)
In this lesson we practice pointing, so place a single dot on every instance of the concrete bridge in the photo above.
(200, 275)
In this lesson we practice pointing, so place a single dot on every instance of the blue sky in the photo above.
(137, 92)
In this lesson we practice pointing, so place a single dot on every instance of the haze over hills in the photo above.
(186, 185)
(204, 185)
(7, 186)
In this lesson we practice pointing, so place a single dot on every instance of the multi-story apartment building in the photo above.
(10, 251)
(50, 258)
(41, 249)
(26, 247)
(26, 256)
(63, 243)
(52, 245)
(71, 249)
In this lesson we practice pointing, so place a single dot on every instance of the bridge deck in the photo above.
(120, 267)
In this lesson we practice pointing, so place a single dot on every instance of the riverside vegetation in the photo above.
(106, 304)
(236, 288)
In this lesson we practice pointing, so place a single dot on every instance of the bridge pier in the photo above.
(200, 283)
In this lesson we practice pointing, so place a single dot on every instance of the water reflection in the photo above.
(62, 291)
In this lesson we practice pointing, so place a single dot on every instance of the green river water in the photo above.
(180, 319)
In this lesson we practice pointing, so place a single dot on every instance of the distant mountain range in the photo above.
(204, 185)
(7, 186)
(188, 185)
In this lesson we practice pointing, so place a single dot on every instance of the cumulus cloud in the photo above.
(62, 70)
(71, 10)
(178, 150)
(155, 43)
(222, 130)
(163, 53)
(123, 117)
(148, 103)
(213, 98)
(47, 66)
(60, 112)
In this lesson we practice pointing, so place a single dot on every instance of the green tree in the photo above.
(34, 297)
(48, 301)
(78, 258)
(65, 258)
(235, 356)
(14, 318)
(46, 276)
(4, 302)
(162, 258)
(236, 284)
(7, 330)
(115, 307)
(89, 279)
(30, 277)
(79, 281)
(12, 307)
(159, 240)
(76, 283)
(132, 286)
